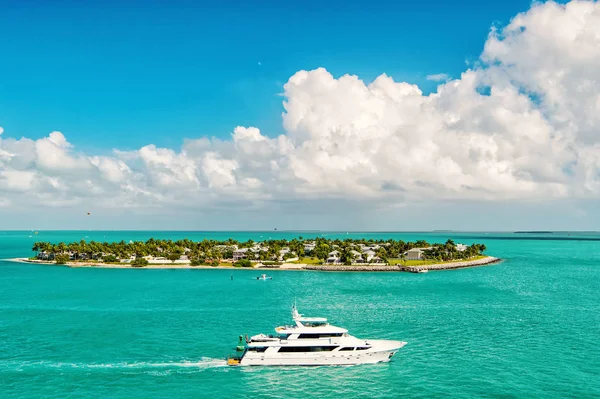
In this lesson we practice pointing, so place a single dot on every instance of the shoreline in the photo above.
(489, 260)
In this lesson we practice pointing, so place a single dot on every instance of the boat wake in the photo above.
(203, 363)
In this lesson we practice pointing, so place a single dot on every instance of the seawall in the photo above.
(399, 268)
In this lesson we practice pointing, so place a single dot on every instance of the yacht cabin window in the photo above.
(314, 323)
(256, 349)
(315, 336)
(284, 349)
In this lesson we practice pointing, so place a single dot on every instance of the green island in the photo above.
(298, 253)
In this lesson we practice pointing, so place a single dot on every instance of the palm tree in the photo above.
(382, 253)
(45, 247)
(482, 248)
(421, 244)
(346, 255)
(61, 247)
(173, 256)
(263, 255)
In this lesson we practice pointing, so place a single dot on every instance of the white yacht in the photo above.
(312, 341)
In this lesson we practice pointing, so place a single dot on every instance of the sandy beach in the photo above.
(285, 266)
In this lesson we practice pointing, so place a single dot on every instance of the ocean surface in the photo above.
(525, 328)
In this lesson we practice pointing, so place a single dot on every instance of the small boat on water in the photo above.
(422, 271)
(264, 277)
(312, 341)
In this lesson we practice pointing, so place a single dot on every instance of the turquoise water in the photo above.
(528, 327)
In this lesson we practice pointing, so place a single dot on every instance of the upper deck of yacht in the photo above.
(309, 325)
(321, 329)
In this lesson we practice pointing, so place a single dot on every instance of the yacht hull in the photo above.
(383, 354)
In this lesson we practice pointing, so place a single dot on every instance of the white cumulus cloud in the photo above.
(522, 125)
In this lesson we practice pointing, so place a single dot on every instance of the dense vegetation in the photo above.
(211, 252)
(243, 263)
(62, 259)
(139, 262)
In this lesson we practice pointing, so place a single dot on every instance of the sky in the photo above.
(378, 115)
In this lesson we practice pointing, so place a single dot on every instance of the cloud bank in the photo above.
(524, 124)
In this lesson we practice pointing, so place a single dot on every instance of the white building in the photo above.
(368, 255)
(239, 254)
(334, 257)
(310, 246)
(414, 254)
(283, 252)
(357, 257)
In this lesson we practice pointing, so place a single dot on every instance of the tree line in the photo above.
(210, 251)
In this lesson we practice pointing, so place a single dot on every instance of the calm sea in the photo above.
(525, 328)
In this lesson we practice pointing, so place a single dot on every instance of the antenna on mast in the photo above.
(295, 313)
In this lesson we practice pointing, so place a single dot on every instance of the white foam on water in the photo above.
(203, 363)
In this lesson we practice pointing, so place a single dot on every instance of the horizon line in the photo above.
(311, 231)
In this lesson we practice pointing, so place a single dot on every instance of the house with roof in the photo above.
(283, 252)
(334, 257)
(128, 260)
(310, 246)
(416, 253)
(45, 255)
(223, 248)
(240, 253)
(357, 257)
(248, 253)
(368, 255)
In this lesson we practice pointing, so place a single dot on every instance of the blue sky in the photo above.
(112, 107)
(125, 74)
